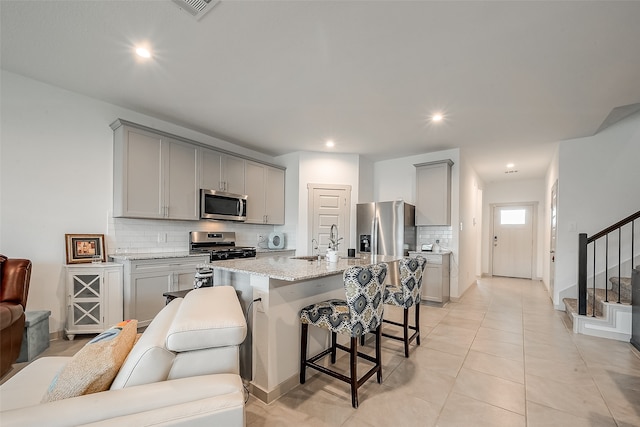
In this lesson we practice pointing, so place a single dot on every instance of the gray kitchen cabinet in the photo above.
(435, 280)
(145, 280)
(94, 298)
(265, 190)
(222, 172)
(433, 193)
(154, 176)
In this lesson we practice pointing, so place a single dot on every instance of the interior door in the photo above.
(329, 205)
(552, 240)
(513, 241)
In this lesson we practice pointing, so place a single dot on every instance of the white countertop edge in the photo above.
(156, 255)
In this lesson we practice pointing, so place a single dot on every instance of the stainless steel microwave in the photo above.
(222, 206)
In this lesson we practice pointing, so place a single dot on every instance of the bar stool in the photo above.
(359, 314)
(406, 294)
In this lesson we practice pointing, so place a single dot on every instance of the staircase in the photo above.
(612, 319)
(603, 307)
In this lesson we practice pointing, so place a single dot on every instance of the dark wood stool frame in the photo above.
(352, 379)
(405, 328)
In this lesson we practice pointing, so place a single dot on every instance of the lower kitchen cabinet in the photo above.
(145, 280)
(435, 280)
(94, 298)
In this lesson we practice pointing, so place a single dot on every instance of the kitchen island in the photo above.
(284, 286)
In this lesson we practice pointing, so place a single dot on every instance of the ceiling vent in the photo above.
(196, 8)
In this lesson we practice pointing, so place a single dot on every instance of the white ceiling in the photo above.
(513, 78)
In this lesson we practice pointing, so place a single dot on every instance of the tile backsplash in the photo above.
(128, 235)
(429, 234)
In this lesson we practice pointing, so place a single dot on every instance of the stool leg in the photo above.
(353, 361)
(406, 332)
(303, 352)
(362, 340)
(333, 347)
(379, 353)
(417, 323)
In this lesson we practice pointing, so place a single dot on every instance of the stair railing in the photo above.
(583, 265)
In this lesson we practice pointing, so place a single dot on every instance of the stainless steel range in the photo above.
(220, 245)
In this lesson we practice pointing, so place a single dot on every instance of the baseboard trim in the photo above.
(281, 389)
(56, 335)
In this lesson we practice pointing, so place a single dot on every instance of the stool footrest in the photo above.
(311, 363)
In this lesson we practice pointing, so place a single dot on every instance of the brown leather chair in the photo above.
(15, 275)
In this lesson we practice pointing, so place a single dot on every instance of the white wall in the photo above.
(516, 191)
(550, 179)
(468, 227)
(365, 181)
(56, 178)
(597, 186)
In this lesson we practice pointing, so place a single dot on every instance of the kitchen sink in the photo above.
(308, 257)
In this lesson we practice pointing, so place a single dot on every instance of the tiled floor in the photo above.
(502, 356)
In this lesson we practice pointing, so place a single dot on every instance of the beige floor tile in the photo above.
(554, 338)
(543, 416)
(487, 388)
(550, 352)
(452, 331)
(566, 397)
(498, 335)
(513, 327)
(399, 407)
(570, 371)
(438, 361)
(501, 316)
(460, 322)
(621, 391)
(421, 382)
(447, 345)
(462, 411)
(499, 348)
(507, 369)
(465, 313)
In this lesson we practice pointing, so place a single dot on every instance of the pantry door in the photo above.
(329, 204)
(513, 241)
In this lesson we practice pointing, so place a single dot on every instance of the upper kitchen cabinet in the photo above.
(222, 172)
(265, 190)
(154, 175)
(433, 193)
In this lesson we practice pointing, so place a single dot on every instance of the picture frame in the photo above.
(82, 248)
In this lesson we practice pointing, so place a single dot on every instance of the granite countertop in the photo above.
(440, 252)
(157, 255)
(293, 270)
(262, 250)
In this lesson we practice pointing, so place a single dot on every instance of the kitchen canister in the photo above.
(203, 277)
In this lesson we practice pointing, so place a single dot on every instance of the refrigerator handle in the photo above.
(374, 235)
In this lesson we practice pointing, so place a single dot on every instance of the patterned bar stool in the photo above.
(360, 313)
(407, 295)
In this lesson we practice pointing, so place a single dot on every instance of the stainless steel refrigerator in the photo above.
(386, 228)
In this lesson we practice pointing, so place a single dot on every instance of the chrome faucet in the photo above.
(333, 237)
(315, 248)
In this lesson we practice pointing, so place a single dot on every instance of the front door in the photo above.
(554, 225)
(329, 204)
(513, 241)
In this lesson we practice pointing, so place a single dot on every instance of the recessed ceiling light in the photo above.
(510, 165)
(143, 52)
(329, 143)
(437, 117)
